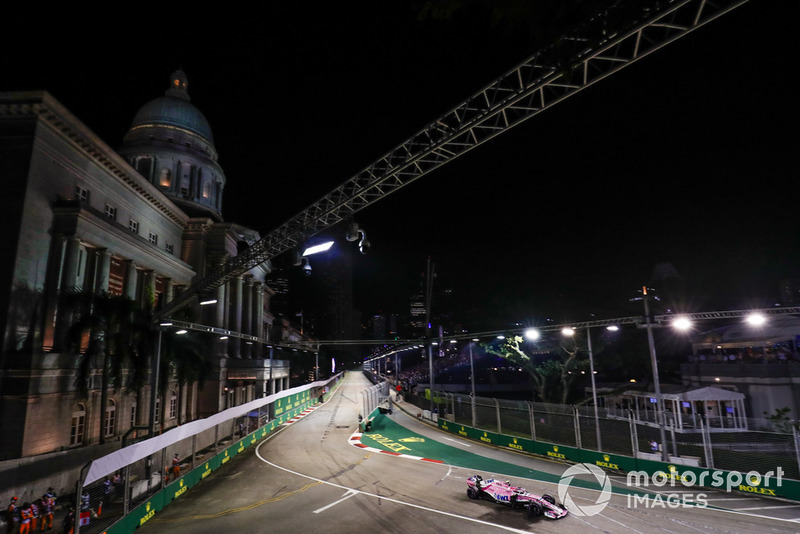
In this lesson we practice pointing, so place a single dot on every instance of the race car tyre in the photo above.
(535, 510)
(549, 499)
(472, 493)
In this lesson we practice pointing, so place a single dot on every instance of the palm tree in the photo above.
(188, 359)
(110, 334)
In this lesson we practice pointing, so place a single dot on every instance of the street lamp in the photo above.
(656, 382)
(472, 380)
(531, 334)
(151, 425)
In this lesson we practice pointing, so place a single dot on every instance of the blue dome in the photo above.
(174, 109)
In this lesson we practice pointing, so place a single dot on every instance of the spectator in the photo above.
(12, 516)
(34, 515)
(176, 466)
(25, 517)
(48, 504)
(69, 522)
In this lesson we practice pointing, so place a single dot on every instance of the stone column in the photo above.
(71, 264)
(169, 290)
(222, 307)
(52, 289)
(247, 314)
(103, 268)
(235, 316)
(69, 274)
(148, 295)
(258, 316)
(131, 280)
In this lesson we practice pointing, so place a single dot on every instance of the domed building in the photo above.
(143, 222)
(171, 145)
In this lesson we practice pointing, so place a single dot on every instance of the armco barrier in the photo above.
(643, 471)
(284, 409)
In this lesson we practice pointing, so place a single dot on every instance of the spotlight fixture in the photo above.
(306, 266)
(354, 233)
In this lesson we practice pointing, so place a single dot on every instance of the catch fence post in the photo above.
(532, 419)
(796, 437)
(634, 434)
(76, 520)
(194, 450)
(126, 499)
(497, 411)
(706, 444)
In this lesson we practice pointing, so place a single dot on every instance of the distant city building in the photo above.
(417, 312)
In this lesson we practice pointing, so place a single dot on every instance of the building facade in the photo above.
(141, 222)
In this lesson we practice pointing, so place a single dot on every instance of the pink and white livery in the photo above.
(505, 493)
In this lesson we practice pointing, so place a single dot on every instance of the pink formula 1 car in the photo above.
(505, 493)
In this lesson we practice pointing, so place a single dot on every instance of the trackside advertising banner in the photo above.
(641, 472)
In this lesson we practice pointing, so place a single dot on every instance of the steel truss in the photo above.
(658, 321)
(623, 33)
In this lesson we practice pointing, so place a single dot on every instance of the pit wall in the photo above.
(642, 471)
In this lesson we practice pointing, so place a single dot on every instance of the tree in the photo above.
(783, 423)
(553, 368)
(24, 312)
(188, 359)
(111, 334)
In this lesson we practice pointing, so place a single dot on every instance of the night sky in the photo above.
(688, 156)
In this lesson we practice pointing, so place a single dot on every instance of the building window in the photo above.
(111, 418)
(153, 238)
(81, 194)
(166, 178)
(133, 226)
(185, 181)
(173, 406)
(206, 190)
(145, 166)
(78, 425)
(157, 417)
(133, 415)
(170, 249)
(111, 212)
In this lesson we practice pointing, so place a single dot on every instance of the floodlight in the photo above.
(322, 247)
(531, 334)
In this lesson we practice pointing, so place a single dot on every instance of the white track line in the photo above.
(382, 497)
